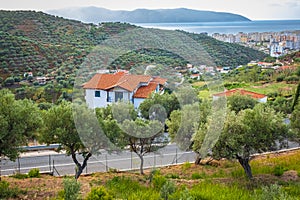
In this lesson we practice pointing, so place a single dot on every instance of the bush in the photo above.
(291, 79)
(158, 181)
(279, 170)
(7, 192)
(19, 176)
(34, 173)
(280, 78)
(167, 189)
(99, 193)
(152, 173)
(197, 176)
(71, 189)
(186, 165)
(272, 192)
(172, 176)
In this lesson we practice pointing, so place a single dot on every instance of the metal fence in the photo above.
(61, 164)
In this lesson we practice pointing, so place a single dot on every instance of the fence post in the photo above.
(176, 156)
(131, 160)
(53, 167)
(50, 163)
(106, 164)
(19, 165)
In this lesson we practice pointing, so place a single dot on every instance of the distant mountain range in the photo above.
(179, 15)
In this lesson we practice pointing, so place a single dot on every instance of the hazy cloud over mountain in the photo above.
(97, 15)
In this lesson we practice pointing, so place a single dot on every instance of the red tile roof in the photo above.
(145, 91)
(120, 79)
(287, 68)
(159, 80)
(242, 92)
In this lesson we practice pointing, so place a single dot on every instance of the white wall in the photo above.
(95, 102)
(137, 102)
(263, 100)
(98, 102)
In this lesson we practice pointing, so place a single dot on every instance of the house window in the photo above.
(97, 93)
(118, 96)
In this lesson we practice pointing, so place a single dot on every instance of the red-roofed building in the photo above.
(104, 89)
(259, 97)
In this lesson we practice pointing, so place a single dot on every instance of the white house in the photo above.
(104, 89)
(259, 97)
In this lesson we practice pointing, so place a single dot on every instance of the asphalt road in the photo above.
(61, 164)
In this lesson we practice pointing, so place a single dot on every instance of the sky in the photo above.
(252, 9)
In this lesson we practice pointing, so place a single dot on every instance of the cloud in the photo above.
(293, 4)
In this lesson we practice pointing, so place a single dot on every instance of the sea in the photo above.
(229, 27)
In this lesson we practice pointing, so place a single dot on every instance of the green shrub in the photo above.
(172, 176)
(198, 176)
(181, 194)
(7, 192)
(291, 79)
(34, 173)
(19, 176)
(158, 181)
(292, 188)
(99, 193)
(71, 189)
(186, 165)
(167, 189)
(272, 192)
(279, 170)
(152, 173)
(280, 78)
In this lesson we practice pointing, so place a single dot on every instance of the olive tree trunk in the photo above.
(80, 167)
(246, 166)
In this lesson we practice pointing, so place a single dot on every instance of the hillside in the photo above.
(47, 45)
(179, 15)
(38, 42)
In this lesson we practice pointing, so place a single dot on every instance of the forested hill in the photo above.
(45, 44)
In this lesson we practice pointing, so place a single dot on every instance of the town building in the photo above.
(104, 89)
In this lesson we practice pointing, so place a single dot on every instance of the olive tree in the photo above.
(248, 132)
(19, 120)
(238, 102)
(184, 125)
(295, 124)
(141, 135)
(77, 132)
